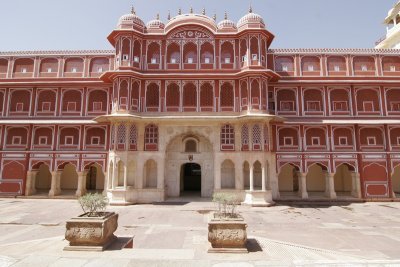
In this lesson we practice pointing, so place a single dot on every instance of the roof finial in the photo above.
(191, 10)
(204, 11)
(133, 10)
(250, 9)
(226, 15)
(169, 15)
(179, 11)
(215, 17)
(158, 16)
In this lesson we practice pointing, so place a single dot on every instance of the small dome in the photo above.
(251, 18)
(130, 20)
(226, 24)
(155, 24)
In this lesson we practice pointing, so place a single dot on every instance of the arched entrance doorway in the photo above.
(191, 178)
(189, 165)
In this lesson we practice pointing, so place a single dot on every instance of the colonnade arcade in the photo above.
(319, 182)
(64, 180)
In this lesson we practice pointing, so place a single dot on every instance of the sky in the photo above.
(85, 24)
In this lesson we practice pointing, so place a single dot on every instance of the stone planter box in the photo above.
(91, 233)
(227, 235)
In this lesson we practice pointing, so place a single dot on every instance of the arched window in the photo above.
(151, 138)
(227, 137)
(245, 137)
(132, 137)
(256, 137)
(121, 133)
(190, 146)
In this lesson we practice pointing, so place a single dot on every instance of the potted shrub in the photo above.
(227, 228)
(94, 229)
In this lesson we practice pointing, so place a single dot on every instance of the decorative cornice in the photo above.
(369, 51)
(59, 53)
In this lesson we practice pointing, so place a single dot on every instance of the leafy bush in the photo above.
(93, 204)
(227, 204)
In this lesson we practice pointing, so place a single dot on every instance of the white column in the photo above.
(55, 184)
(81, 190)
(251, 178)
(330, 185)
(160, 174)
(125, 176)
(355, 185)
(303, 185)
(217, 175)
(115, 176)
(30, 183)
(263, 177)
(238, 175)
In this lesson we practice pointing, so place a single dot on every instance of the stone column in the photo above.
(303, 185)
(251, 178)
(30, 183)
(217, 175)
(125, 176)
(263, 177)
(355, 185)
(160, 174)
(238, 175)
(115, 176)
(55, 189)
(81, 190)
(330, 185)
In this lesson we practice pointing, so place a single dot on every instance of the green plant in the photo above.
(93, 204)
(227, 204)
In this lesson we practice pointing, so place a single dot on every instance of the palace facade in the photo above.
(193, 105)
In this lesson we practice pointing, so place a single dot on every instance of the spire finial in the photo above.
(204, 11)
(191, 10)
(226, 15)
(215, 17)
(133, 10)
(169, 15)
(158, 16)
(179, 11)
(250, 9)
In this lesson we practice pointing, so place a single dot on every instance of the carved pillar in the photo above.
(303, 185)
(251, 178)
(160, 174)
(115, 176)
(238, 175)
(81, 190)
(55, 189)
(330, 185)
(355, 185)
(263, 177)
(217, 174)
(30, 183)
(125, 176)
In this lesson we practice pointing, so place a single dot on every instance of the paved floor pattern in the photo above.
(174, 233)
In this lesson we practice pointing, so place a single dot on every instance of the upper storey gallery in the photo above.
(198, 43)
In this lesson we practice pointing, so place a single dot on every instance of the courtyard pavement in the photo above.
(174, 233)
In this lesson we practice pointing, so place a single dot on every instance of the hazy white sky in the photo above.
(85, 24)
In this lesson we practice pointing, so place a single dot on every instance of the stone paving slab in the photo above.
(32, 234)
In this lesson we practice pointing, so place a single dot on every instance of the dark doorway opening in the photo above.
(191, 177)
(91, 178)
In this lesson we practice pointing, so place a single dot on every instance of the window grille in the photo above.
(133, 134)
(121, 133)
(227, 135)
(256, 135)
(112, 135)
(245, 134)
(151, 134)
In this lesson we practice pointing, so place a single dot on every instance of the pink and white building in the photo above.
(200, 106)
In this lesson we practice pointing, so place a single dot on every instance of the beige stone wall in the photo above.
(285, 179)
(43, 178)
(69, 178)
(343, 179)
(316, 179)
(396, 180)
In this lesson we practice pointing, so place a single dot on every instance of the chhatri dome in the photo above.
(251, 20)
(155, 23)
(131, 20)
(226, 24)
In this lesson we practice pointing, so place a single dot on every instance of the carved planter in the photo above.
(227, 235)
(91, 233)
